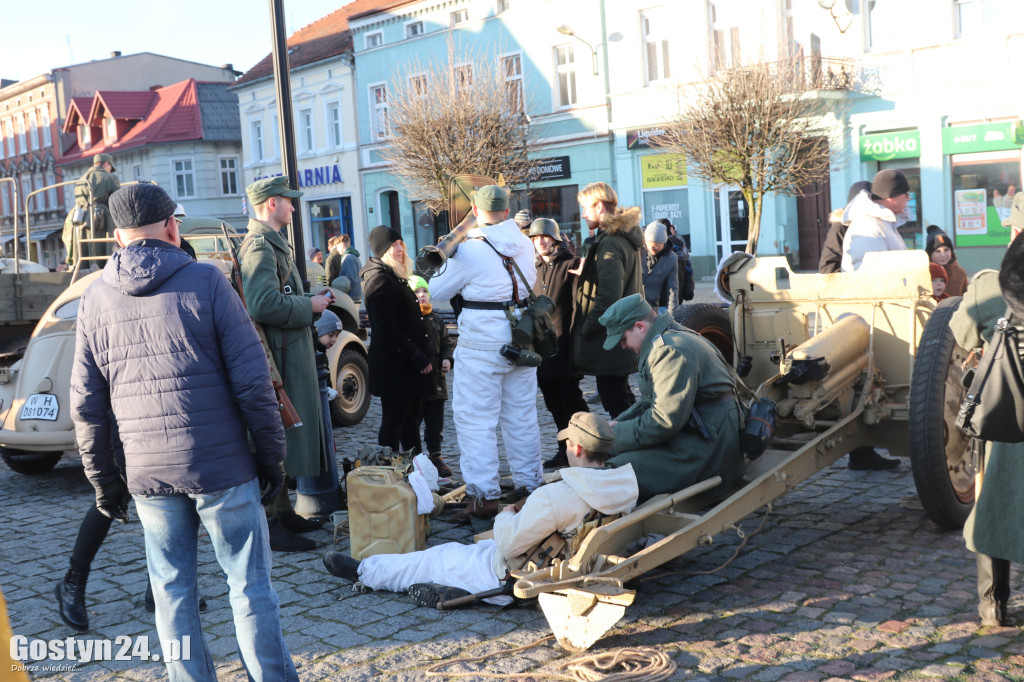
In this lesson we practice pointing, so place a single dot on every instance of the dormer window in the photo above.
(110, 129)
(84, 136)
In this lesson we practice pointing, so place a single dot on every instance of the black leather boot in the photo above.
(71, 599)
(993, 591)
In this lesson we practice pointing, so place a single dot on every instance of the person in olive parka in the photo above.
(680, 372)
(400, 371)
(611, 271)
(993, 529)
(275, 298)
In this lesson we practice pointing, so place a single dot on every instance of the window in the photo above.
(379, 102)
(184, 181)
(973, 18)
(334, 123)
(460, 16)
(5, 198)
(110, 129)
(374, 40)
(137, 172)
(21, 134)
(512, 70)
(26, 187)
(414, 29)
(725, 39)
(418, 85)
(39, 200)
(44, 117)
(565, 68)
(51, 194)
(306, 129)
(33, 131)
(504, 6)
(256, 129)
(276, 137)
(654, 26)
(84, 136)
(6, 141)
(229, 175)
(463, 76)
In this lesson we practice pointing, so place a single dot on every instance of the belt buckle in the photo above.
(287, 289)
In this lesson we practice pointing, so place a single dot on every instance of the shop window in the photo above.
(558, 203)
(330, 218)
(984, 186)
(912, 231)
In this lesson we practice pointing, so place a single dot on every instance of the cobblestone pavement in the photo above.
(847, 580)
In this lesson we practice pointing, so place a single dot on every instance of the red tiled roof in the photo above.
(173, 116)
(326, 37)
(383, 7)
(78, 110)
(130, 105)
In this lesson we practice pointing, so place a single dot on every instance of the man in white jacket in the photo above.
(873, 218)
(488, 388)
(453, 569)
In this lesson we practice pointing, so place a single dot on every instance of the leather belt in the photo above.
(721, 399)
(492, 305)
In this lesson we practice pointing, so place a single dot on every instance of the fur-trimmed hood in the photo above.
(625, 221)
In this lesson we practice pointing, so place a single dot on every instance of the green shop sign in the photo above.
(904, 144)
(984, 137)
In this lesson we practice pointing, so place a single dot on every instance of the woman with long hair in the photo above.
(400, 372)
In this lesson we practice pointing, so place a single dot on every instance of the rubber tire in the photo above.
(939, 452)
(30, 463)
(710, 321)
(352, 382)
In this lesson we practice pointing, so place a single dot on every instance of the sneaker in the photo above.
(299, 524)
(283, 540)
(479, 508)
(432, 594)
(443, 470)
(866, 458)
(342, 565)
(557, 462)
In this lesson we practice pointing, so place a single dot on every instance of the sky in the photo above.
(53, 33)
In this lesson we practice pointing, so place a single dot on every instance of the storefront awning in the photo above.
(40, 235)
(4, 238)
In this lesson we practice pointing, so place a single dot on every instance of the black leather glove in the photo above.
(271, 480)
(112, 499)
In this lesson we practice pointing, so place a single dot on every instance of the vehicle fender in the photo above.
(345, 341)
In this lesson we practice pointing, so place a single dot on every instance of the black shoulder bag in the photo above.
(994, 407)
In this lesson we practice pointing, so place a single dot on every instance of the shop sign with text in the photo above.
(984, 137)
(902, 144)
(662, 170)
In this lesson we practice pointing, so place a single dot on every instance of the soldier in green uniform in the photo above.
(685, 427)
(275, 298)
(100, 183)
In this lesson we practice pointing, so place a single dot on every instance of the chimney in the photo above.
(228, 67)
(115, 53)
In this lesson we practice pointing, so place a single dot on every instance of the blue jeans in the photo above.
(237, 527)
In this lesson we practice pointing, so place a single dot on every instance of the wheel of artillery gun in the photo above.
(710, 321)
(939, 452)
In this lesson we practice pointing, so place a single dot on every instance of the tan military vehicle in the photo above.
(35, 424)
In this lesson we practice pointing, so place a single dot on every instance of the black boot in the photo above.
(342, 565)
(284, 540)
(71, 599)
(866, 458)
(993, 591)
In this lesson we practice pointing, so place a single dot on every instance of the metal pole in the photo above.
(289, 163)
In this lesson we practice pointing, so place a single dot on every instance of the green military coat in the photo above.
(287, 320)
(611, 271)
(994, 526)
(677, 369)
(103, 184)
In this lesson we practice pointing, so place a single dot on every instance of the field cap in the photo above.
(590, 431)
(888, 184)
(491, 198)
(261, 190)
(140, 205)
(100, 158)
(621, 315)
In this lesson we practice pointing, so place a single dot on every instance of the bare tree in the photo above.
(765, 128)
(463, 115)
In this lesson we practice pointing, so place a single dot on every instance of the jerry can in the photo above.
(382, 516)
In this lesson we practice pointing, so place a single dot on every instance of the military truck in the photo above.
(35, 423)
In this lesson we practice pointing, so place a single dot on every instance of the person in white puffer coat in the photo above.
(873, 218)
(489, 389)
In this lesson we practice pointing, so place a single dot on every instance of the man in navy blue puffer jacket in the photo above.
(166, 350)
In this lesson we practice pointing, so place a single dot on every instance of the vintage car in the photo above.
(35, 422)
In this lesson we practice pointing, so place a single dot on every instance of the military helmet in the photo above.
(547, 226)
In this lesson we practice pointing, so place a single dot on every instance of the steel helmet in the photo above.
(546, 226)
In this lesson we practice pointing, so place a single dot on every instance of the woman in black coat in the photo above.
(399, 367)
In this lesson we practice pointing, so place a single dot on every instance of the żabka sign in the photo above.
(904, 144)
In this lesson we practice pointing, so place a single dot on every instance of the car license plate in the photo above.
(40, 406)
